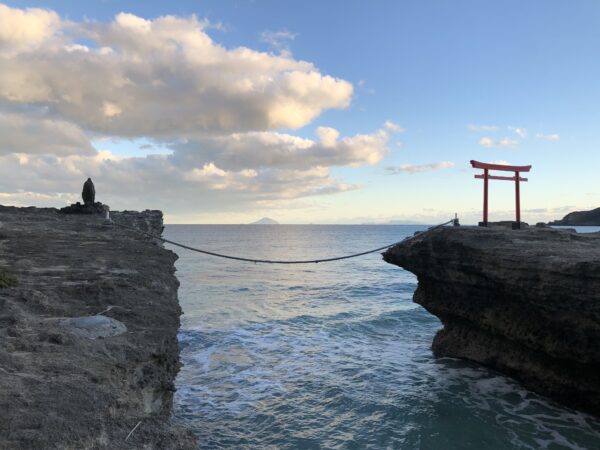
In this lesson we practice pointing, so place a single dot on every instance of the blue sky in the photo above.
(514, 81)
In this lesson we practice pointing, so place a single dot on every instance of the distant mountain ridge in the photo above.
(580, 218)
(265, 221)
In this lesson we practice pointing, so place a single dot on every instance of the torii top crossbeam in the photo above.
(486, 176)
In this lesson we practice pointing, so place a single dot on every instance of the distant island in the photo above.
(265, 221)
(579, 218)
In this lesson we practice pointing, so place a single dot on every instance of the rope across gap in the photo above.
(272, 261)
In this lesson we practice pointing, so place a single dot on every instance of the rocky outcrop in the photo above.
(524, 302)
(579, 218)
(88, 333)
(78, 208)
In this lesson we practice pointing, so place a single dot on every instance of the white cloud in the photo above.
(486, 128)
(157, 181)
(502, 143)
(548, 137)
(167, 83)
(506, 142)
(521, 132)
(242, 170)
(25, 29)
(111, 109)
(486, 142)
(165, 77)
(419, 168)
(266, 149)
(328, 136)
(393, 127)
(279, 40)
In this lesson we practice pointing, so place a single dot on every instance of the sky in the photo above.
(305, 112)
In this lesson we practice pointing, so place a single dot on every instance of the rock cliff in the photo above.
(524, 302)
(88, 333)
(579, 218)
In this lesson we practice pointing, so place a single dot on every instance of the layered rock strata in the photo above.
(524, 302)
(88, 333)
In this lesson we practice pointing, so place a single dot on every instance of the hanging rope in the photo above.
(271, 261)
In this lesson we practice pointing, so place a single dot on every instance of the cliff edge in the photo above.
(88, 333)
(524, 302)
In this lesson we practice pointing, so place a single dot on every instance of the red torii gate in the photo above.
(486, 176)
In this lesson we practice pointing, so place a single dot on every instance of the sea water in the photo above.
(335, 355)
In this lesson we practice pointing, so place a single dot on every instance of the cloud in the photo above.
(548, 137)
(160, 78)
(419, 168)
(31, 134)
(25, 29)
(486, 128)
(279, 40)
(157, 181)
(393, 127)
(488, 142)
(216, 113)
(227, 173)
(266, 149)
(328, 136)
(521, 132)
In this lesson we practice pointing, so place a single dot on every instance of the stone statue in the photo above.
(88, 193)
(90, 205)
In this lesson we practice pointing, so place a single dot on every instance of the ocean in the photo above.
(335, 355)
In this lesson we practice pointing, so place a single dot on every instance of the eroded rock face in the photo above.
(525, 302)
(88, 335)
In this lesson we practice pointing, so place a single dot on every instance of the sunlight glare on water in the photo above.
(335, 355)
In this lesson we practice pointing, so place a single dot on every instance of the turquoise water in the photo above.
(335, 355)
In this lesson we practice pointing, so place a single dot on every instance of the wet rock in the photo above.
(525, 302)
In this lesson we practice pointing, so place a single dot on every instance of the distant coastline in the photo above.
(579, 218)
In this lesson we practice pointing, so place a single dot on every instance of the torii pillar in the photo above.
(486, 176)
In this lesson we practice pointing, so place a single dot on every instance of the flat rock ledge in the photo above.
(524, 302)
(88, 333)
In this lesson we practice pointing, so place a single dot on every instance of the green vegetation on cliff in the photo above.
(7, 280)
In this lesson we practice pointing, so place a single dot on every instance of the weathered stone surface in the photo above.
(580, 218)
(78, 208)
(89, 388)
(525, 302)
(93, 327)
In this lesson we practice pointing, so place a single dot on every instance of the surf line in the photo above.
(275, 261)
